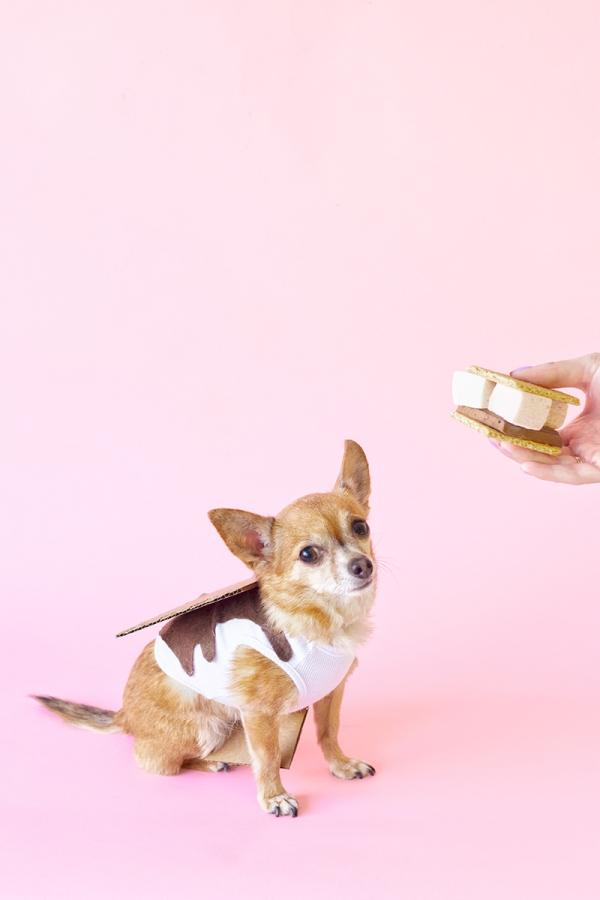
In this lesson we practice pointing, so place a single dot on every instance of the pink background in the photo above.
(234, 234)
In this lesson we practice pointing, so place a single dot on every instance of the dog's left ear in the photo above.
(354, 477)
(247, 535)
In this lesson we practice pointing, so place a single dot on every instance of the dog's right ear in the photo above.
(247, 535)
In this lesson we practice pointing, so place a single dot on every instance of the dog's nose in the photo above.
(361, 567)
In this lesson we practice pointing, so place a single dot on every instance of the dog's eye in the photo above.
(309, 554)
(360, 527)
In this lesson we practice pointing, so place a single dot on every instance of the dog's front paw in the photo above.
(351, 768)
(281, 805)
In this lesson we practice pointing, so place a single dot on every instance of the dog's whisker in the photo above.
(385, 573)
(388, 561)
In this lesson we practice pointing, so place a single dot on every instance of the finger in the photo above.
(580, 473)
(521, 454)
(504, 448)
(576, 373)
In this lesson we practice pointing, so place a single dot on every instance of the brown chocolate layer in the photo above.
(543, 436)
(198, 627)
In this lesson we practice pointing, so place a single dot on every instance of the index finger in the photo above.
(576, 373)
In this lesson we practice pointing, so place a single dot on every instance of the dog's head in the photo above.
(314, 560)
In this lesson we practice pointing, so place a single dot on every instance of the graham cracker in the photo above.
(203, 600)
(524, 386)
(498, 435)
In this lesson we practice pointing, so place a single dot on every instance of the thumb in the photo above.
(577, 373)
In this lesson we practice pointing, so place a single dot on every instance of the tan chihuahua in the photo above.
(316, 572)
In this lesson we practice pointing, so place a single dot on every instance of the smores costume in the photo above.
(197, 648)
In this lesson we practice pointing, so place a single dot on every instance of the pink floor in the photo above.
(470, 799)
(231, 236)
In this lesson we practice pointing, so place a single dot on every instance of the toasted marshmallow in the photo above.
(557, 415)
(521, 408)
(471, 390)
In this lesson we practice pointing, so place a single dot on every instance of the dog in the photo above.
(292, 644)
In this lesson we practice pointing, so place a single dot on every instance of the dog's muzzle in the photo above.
(361, 567)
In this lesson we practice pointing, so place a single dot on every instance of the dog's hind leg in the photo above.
(170, 723)
(205, 765)
(152, 756)
(184, 740)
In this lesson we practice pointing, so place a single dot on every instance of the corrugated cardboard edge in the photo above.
(203, 600)
(235, 749)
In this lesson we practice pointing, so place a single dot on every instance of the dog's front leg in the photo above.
(262, 734)
(327, 718)
(264, 693)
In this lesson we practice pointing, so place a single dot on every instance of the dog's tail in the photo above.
(84, 716)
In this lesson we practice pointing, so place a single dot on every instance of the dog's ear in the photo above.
(247, 535)
(354, 477)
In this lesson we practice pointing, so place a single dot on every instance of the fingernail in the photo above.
(521, 369)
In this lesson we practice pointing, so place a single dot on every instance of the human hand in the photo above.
(579, 462)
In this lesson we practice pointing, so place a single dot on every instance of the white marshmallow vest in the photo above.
(315, 670)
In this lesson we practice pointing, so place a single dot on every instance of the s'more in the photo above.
(506, 409)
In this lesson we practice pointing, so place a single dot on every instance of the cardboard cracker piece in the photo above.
(235, 749)
(202, 600)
